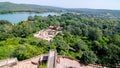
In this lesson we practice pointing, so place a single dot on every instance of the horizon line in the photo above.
(62, 7)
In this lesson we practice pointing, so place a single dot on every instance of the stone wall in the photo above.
(8, 62)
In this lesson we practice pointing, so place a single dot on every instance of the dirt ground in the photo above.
(68, 63)
(27, 63)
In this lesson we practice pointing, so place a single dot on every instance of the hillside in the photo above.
(10, 7)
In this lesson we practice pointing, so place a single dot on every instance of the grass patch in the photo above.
(42, 66)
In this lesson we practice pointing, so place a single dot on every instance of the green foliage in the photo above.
(42, 66)
(81, 45)
(4, 36)
(26, 51)
(88, 38)
(2, 22)
(88, 57)
(18, 47)
(23, 29)
(5, 28)
(94, 34)
(61, 45)
(116, 39)
(112, 57)
(6, 51)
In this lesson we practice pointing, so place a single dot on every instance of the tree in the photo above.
(85, 32)
(4, 36)
(88, 57)
(30, 18)
(45, 45)
(23, 29)
(81, 45)
(61, 45)
(112, 57)
(116, 39)
(95, 34)
(2, 22)
(113, 54)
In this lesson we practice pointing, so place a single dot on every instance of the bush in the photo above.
(26, 51)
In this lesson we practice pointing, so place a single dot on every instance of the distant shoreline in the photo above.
(12, 12)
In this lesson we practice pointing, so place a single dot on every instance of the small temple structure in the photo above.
(49, 33)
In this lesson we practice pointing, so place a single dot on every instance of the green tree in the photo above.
(81, 45)
(95, 34)
(116, 39)
(89, 57)
(61, 45)
(4, 36)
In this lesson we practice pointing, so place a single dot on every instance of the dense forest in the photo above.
(92, 40)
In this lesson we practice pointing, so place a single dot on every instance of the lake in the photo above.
(17, 17)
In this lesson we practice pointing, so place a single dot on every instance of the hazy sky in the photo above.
(97, 4)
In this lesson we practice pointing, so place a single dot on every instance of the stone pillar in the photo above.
(52, 59)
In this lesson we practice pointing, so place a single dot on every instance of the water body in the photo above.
(17, 17)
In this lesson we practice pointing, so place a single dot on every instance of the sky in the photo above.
(93, 4)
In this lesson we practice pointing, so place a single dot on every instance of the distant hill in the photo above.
(10, 7)
(7, 7)
(96, 13)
